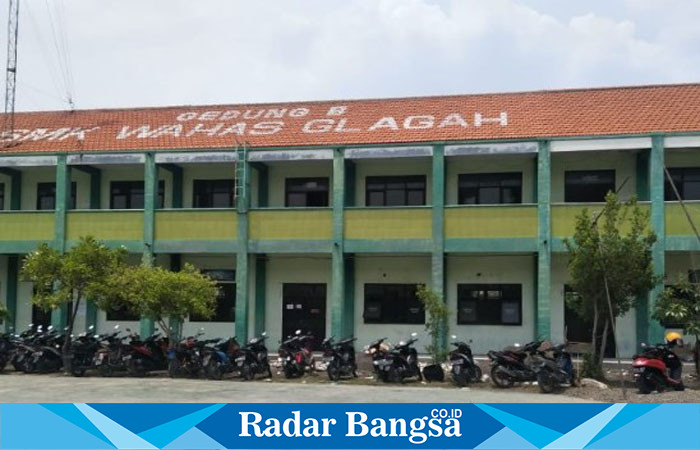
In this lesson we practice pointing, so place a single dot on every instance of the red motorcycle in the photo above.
(147, 355)
(657, 368)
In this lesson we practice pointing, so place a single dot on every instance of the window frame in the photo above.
(160, 194)
(228, 278)
(487, 288)
(481, 182)
(682, 173)
(2, 196)
(302, 180)
(198, 184)
(52, 185)
(395, 179)
(570, 173)
(383, 319)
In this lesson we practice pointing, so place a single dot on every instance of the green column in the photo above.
(337, 247)
(59, 316)
(654, 332)
(543, 318)
(263, 184)
(95, 203)
(349, 295)
(437, 266)
(260, 293)
(242, 263)
(174, 323)
(150, 195)
(177, 193)
(11, 303)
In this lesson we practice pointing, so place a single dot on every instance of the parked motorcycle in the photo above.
(464, 369)
(400, 363)
(45, 354)
(83, 349)
(253, 359)
(219, 359)
(339, 357)
(186, 358)
(295, 355)
(7, 346)
(554, 368)
(657, 368)
(110, 356)
(512, 366)
(378, 350)
(146, 355)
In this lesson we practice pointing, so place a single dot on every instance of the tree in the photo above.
(438, 314)
(680, 304)
(609, 257)
(160, 294)
(4, 313)
(65, 280)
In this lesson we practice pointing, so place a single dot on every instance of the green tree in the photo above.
(609, 255)
(436, 322)
(65, 280)
(161, 295)
(4, 313)
(680, 304)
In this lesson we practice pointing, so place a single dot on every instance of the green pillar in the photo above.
(174, 323)
(543, 318)
(150, 195)
(654, 330)
(11, 303)
(177, 193)
(437, 266)
(242, 263)
(59, 316)
(15, 187)
(263, 184)
(337, 247)
(349, 295)
(95, 203)
(260, 292)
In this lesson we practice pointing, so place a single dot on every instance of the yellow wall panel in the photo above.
(290, 224)
(26, 226)
(388, 223)
(105, 225)
(491, 222)
(676, 221)
(196, 225)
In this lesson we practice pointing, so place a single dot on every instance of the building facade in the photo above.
(326, 215)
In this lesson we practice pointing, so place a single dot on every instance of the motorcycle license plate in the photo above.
(127, 357)
(240, 359)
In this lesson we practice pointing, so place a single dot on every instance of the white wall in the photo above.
(387, 167)
(400, 269)
(623, 162)
(458, 165)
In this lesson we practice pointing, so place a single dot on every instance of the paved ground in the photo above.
(59, 388)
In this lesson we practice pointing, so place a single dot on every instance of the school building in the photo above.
(325, 215)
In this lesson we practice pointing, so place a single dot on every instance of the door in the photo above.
(304, 308)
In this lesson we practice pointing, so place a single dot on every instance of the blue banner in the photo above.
(349, 426)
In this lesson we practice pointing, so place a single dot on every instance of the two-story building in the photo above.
(326, 215)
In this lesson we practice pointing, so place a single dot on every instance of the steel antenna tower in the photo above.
(11, 73)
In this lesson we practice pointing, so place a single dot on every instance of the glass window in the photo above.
(46, 196)
(393, 303)
(490, 188)
(588, 186)
(306, 192)
(225, 310)
(129, 195)
(686, 180)
(489, 304)
(122, 314)
(213, 194)
(395, 191)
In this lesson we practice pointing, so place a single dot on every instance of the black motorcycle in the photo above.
(45, 352)
(464, 369)
(400, 362)
(109, 357)
(219, 359)
(83, 350)
(186, 358)
(295, 355)
(7, 346)
(378, 351)
(554, 368)
(339, 357)
(253, 359)
(147, 355)
(512, 366)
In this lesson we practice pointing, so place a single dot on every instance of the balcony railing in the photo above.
(490, 221)
(105, 224)
(290, 224)
(26, 225)
(676, 221)
(388, 223)
(196, 224)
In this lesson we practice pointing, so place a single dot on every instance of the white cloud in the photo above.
(131, 52)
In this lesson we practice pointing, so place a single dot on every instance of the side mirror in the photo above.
(298, 332)
(91, 327)
(39, 328)
(644, 345)
(454, 336)
(414, 334)
(264, 333)
(116, 327)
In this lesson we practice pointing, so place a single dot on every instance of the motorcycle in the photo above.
(340, 357)
(147, 355)
(512, 366)
(109, 357)
(186, 358)
(253, 359)
(400, 363)
(7, 347)
(295, 355)
(378, 351)
(464, 369)
(83, 351)
(219, 359)
(45, 354)
(657, 368)
(554, 368)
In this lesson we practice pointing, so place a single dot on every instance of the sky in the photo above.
(129, 53)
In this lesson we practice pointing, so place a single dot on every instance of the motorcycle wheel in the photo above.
(393, 376)
(655, 382)
(288, 372)
(546, 382)
(77, 371)
(105, 370)
(460, 378)
(3, 362)
(476, 374)
(247, 373)
(500, 378)
(214, 370)
(174, 368)
(136, 369)
(679, 387)
(333, 371)
(418, 371)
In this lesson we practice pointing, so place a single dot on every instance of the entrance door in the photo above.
(304, 308)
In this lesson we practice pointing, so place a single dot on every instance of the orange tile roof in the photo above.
(525, 115)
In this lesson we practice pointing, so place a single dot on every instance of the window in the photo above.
(122, 314)
(129, 195)
(46, 196)
(588, 186)
(490, 188)
(393, 303)
(687, 181)
(489, 304)
(213, 194)
(306, 192)
(225, 310)
(2, 196)
(395, 191)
